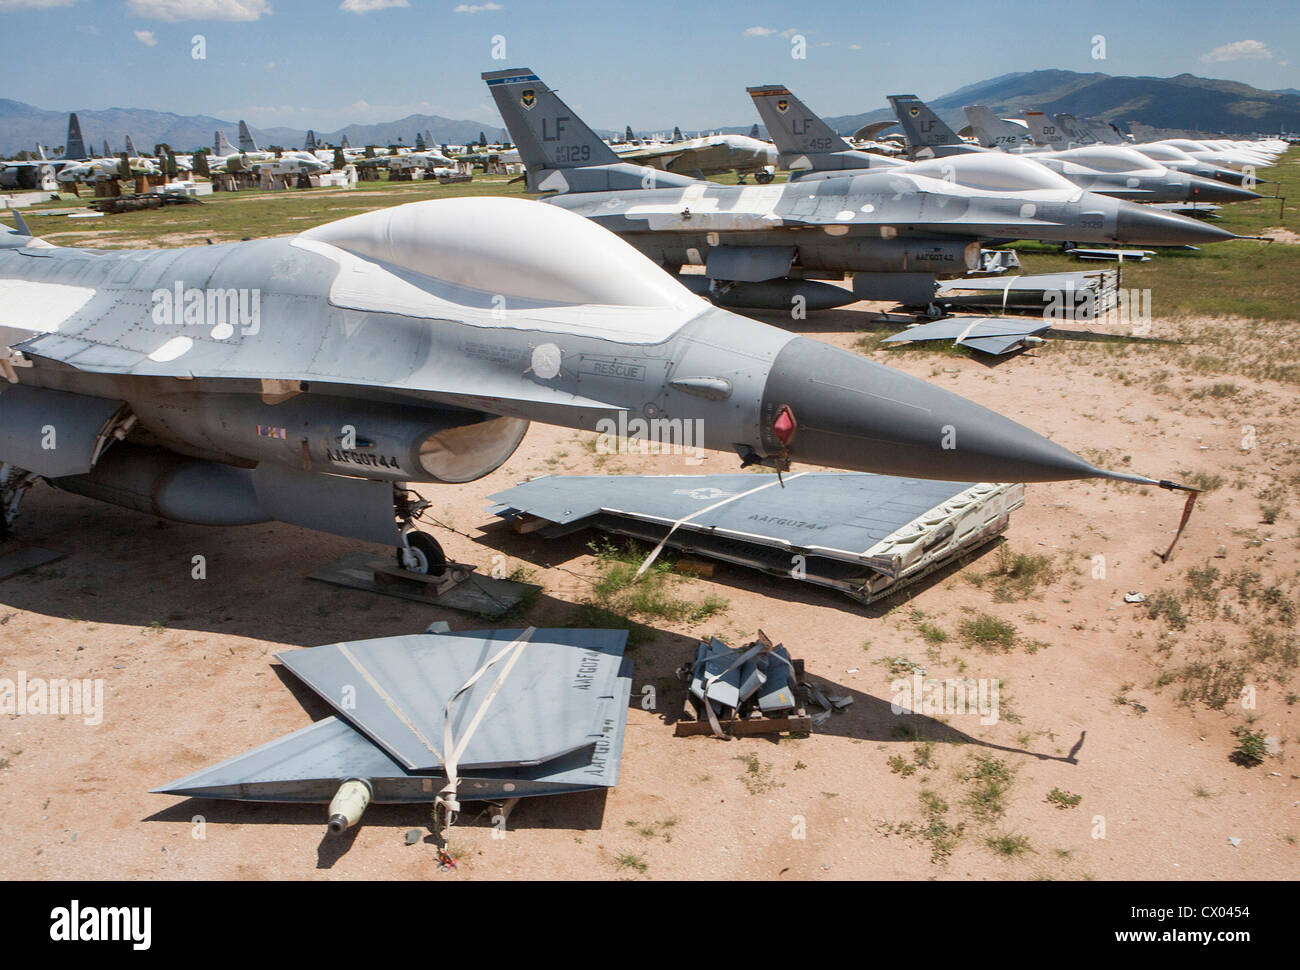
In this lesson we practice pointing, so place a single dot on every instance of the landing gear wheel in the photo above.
(762, 178)
(430, 560)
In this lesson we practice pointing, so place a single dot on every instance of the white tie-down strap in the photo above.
(453, 747)
(1006, 294)
(654, 553)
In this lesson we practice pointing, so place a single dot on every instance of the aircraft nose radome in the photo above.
(1210, 190)
(855, 414)
(1153, 227)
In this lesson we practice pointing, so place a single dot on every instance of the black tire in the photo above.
(763, 178)
(432, 561)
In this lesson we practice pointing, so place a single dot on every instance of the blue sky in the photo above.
(319, 64)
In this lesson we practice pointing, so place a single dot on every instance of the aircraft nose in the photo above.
(1145, 226)
(853, 413)
(1209, 190)
(1221, 174)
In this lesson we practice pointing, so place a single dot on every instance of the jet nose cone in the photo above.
(1144, 226)
(853, 413)
(1209, 190)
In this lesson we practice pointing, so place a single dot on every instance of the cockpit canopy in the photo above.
(993, 171)
(519, 249)
(1108, 158)
(1164, 153)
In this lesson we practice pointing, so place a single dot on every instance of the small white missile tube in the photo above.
(348, 803)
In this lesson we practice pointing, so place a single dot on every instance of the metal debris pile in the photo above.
(757, 689)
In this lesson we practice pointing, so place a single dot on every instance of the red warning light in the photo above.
(785, 425)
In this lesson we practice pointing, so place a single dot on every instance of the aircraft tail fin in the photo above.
(75, 147)
(310, 144)
(923, 128)
(1044, 130)
(221, 145)
(549, 135)
(246, 143)
(1074, 131)
(794, 128)
(108, 152)
(345, 143)
(992, 131)
(627, 134)
(677, 135)
(1104, 131)
(130, 147)
(20, 223)
(753, 132)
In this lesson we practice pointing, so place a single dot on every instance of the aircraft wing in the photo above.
(664, 154)
(285, 368)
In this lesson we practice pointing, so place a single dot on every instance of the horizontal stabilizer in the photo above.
(555, 689)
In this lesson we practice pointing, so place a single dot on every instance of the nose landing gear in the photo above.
(14, 483)
(419, 552)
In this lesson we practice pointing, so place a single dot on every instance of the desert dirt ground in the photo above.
(1130, 707)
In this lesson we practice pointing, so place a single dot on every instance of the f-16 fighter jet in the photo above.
(765, 246)
(311, 379)
(995, 132)
(709, 155)
(1120, 173)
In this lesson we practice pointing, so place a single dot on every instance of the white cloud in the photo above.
(368, 6)
(1239, 50)
(7, 5)
(759, 31)
(175, 11)
(476, 7)
(146, 37)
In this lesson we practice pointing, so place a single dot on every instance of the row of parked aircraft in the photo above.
(1176, 171)
(428, 335)
(1093, 154)
(76, 164)
(896, 224)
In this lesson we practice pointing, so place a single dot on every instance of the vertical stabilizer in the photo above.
(74, 148)
(1044, 130)
(792, 125)
(923, 128)
(992, 131)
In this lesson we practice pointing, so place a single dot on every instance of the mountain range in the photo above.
(22, 126)
(1184, 102)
